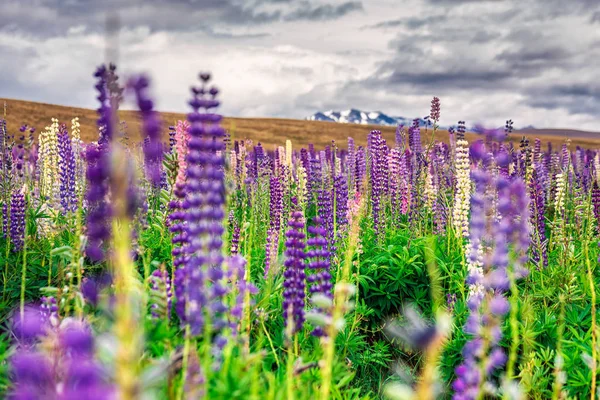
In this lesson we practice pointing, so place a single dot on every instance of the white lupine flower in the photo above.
(460, 212)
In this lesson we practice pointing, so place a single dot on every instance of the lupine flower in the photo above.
(415, 138)
(430, 191)
(435, 110)
(319, 278)
(238, 276)
(68, 196)
(17, 220)
(489, 239)
(341, 201)
(559, 208)
(325, 214)
(5, 219)
(153, 148)
(104, 110)
(77, 148)
(378, 179)
(161, 294)
(395, 183)
(596, 204)
(294, 274)
(64, 368)
(97, 174)
(172, 138)
(83, 378)
(235, 239)
(91, 288)
(463, 188)
(205, 195)
(49, 160)
(98, 211)
(538, 221)
(275, 215)
(48, 309)
(508, 128)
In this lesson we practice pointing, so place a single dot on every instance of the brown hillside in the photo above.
(269, 131)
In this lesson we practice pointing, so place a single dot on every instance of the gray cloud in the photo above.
(578, 98)
(481, 37)
(55, 17)
(528, 60)
(447, 80)
(324, 12)
(411, 22)
(459, 2)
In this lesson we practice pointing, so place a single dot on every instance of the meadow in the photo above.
(150, 255)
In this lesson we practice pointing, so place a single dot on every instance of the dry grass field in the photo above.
(269, 131)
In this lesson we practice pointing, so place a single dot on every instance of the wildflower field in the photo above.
(195, 264)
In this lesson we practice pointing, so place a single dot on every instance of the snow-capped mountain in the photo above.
(354, 116)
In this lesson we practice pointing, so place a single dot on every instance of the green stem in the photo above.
(262, 322)
(24, 269)
(514, 327)
(184, 362)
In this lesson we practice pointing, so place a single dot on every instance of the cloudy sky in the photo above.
(535, 61)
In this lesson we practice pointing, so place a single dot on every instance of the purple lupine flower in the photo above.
(451, 302)
(172, 140)
(114, 88)
(238, 274)
(415, 137)
(488, 272)
(503, 159)
(316, 177)
(203, 205)
(395, 182)
(161, 294)
(235, 239)
(378, 178)
(360, 170)
(596, 203)
(399, 136)
(98, 214)
(305, 160)
(97, 174)
(17, 220)
(508, 127)
(294, 275)
(18, 153)
(452, 138)
(5, 219)
(179, 241)
(84, 378)
(406, 170)
(325, 213)
(91, 287)
(48, 309)
(29, 326)
(319, 278)
(434, 114)
(104, 111)
(538, 222)
(67, 372)
(460, 130)
(68, 197)
(275, 215)
(276, 203)
(153, 147)
(33, 376)
(340, 188)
